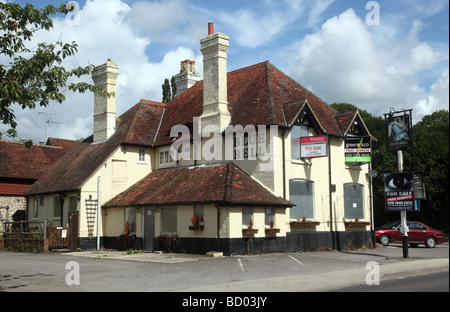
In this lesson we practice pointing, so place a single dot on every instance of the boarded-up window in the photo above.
(169, 220)
(119, 170)
(353, 201)
(301, 193)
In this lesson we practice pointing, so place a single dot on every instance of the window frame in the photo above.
(246, 217)
(142, 157)
(302, 212)
(302, 130)
(166, 156)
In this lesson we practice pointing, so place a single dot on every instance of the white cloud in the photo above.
(104, 32)
(341, 63)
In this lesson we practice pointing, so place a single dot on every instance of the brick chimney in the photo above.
(187, 76)
(214, 49)
(105, 108)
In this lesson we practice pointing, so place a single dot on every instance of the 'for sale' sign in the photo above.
(399, 191)
(357, 150)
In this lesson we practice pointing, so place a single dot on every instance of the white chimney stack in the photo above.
(105, 107)
(214, 49)
(187, 76)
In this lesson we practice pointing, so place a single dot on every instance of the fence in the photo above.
(58, 237)
(26, 235)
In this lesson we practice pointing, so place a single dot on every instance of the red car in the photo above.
(419, 233)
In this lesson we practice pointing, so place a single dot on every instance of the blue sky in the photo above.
(374, 54)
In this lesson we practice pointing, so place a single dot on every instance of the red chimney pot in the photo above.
(210, 28)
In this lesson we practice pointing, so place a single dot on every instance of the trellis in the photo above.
(91, 213)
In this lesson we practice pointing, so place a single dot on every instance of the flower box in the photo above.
(272, 231)
(356, 223)
(196, 228)
(304, 223)
(249, 231)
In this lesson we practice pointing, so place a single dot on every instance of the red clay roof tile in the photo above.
(219, 183)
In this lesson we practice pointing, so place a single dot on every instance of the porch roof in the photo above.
(224, 184)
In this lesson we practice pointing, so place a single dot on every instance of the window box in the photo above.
(196, 228)
(249, 231)
(271, 231)
(304, 223)
(356, 223)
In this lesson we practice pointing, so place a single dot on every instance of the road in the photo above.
(293, 272)
(428, 282)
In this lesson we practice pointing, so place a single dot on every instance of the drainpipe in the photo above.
(218, 227)
(284, 162)
(98, 211)
(61, 201)
(329, 194)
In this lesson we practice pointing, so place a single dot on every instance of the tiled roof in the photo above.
(136, 126)
(20, 162)
(66, 145)
(256, 95)
(223, 184)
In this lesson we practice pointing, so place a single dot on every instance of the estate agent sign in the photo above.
(357, 150)
(399, 191)
(313, 146)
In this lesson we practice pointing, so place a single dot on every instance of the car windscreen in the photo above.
(390, 225)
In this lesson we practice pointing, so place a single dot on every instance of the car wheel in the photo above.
(430, 242)
(384, 240)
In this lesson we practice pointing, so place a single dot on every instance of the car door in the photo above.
(417, 232)
(396, 235)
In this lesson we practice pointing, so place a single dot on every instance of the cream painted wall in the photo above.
(316, 170)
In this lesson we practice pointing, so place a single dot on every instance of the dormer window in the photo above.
(296, 133)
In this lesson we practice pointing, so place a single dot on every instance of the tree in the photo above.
(430, 153)
(34, 76)
(169, 90)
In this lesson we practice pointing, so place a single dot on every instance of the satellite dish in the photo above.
(373, 173)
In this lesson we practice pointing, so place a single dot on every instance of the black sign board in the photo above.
(399, 191)
(398, 130)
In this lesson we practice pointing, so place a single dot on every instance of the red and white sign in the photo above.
(315, 146)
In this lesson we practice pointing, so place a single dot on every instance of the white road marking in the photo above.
(295, 259)
(240, 264)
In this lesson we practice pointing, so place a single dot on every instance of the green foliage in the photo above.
(33, 75)
(430, 153)
(169, 90)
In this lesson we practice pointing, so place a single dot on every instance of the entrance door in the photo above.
(149, 228)
(73, 230)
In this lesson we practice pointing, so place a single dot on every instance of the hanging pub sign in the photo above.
(357, 150)
(398, 129)
(399, 191)
(313, 146)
